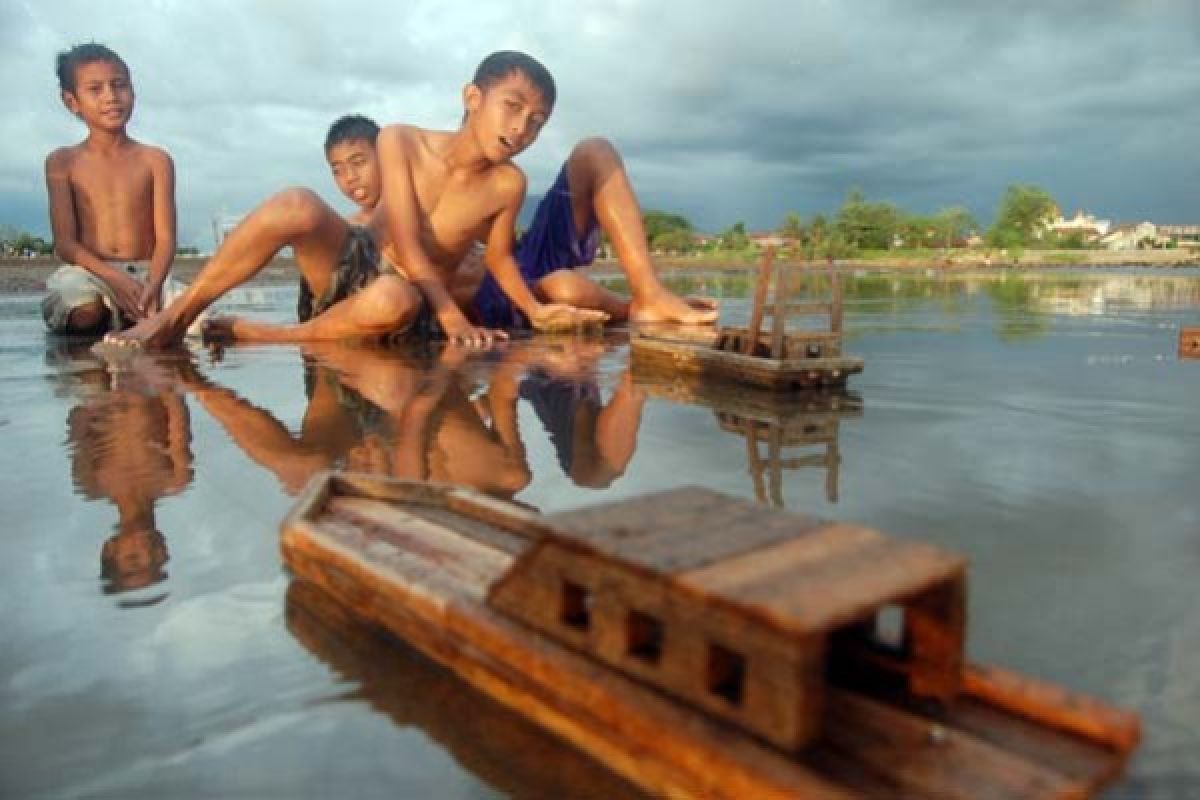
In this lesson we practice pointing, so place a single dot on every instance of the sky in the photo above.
(724, 112)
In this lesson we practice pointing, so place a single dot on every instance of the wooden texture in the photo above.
(866, 746)
(724, 578)
(777, 359)
(1189, 343)
(706, 363)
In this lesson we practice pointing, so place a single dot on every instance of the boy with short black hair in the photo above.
(350, 151)
(442, 192)
(112, 204)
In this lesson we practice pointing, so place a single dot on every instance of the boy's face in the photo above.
(103, 96)
(355, 169)
(508, 116)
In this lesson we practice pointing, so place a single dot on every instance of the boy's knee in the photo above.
(389, 303)
(562, 286)
(88, 317)
(598, 149)
(296, 210)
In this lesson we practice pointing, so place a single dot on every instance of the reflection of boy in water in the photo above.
(377, 411)
(130, 444)
(593, 441)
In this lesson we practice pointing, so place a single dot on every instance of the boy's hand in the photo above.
(127, 292)
(552, 317)
(472, 335)
(150, 300)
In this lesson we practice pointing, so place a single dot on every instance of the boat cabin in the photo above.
(732, 607)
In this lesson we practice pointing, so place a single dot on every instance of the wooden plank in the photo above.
(791, 309)
(840, 577)
(681, 529)
(1054, 706)
(760, 301)
(923, 758)
(779, 323)
(1189, 343)
(1082, 761)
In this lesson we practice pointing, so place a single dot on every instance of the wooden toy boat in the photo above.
(1189, 343)
(776, 359)
(704, 646)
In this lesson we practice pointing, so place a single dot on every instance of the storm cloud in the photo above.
(723, 113)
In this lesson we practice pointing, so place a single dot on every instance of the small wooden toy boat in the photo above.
(700, 645)
(776, 359)
(1189, 343)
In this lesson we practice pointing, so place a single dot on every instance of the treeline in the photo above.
(22, 244)
(861, 225)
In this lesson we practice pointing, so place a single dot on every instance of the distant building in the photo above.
(1130, 236)
(1083, 223)
(766, 239)
(223, 224)
(1182, 235)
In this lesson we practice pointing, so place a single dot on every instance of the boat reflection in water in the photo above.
(504, 750)
(782, 431)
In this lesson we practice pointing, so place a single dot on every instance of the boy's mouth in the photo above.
(507, 144)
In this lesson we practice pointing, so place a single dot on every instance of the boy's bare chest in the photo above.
(452, 211)
(107, 182)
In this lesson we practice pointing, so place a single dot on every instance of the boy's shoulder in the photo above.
(62, 157)
(152, 153)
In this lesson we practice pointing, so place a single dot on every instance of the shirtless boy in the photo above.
(112, 204)
(350, 151)
(442, 192)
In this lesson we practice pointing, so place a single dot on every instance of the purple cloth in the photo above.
(550, 244)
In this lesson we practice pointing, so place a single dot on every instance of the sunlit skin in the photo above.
(132, 445)
(442, 192)
(111, 198)
(355, 169)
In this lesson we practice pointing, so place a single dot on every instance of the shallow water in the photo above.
(154, 645)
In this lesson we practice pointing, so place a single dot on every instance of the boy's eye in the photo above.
(512, 105)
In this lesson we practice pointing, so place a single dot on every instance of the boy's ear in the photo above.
(472, 98)
(69, 100)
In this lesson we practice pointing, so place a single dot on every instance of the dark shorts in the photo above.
(357, 266)
(550, 244)
(557, 404)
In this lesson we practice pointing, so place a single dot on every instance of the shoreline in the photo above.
(28, 275)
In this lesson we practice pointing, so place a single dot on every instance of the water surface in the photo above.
(1041, 424)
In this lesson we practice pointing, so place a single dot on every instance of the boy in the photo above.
(112, 204)
(350, 151)
(442, 192)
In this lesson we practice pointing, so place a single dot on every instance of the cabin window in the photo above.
(889, 627)
(644, 636)
(726, 673)
(576, 609)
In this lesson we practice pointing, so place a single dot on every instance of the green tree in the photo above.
(676, 240)
(953, 224)
(867, 225)
(792, 227)
(660, 222)
(734, 237)
(1023, 214)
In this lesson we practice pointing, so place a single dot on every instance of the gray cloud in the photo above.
(723, 113)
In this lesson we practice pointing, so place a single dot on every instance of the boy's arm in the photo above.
(64, 228)
(162, 170)
(401, 217)
(503, 266)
